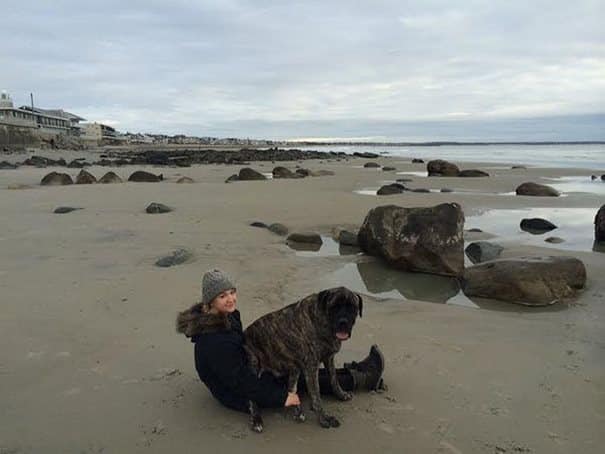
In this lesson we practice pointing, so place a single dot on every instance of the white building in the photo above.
(42, 120)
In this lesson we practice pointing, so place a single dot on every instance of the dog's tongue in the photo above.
(342, 336)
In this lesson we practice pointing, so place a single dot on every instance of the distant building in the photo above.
(98, 133)
(43, 120)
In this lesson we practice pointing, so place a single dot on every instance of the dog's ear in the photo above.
(360, 304)
(322, 299)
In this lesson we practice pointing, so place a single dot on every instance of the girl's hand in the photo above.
(292, 400)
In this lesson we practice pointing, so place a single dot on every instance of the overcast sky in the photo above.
(283, 69)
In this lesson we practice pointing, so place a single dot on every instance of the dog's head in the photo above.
(341, 306)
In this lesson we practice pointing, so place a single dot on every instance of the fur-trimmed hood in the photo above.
(197, 320)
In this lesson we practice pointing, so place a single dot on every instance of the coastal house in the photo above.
(99, 133)
(45, 121)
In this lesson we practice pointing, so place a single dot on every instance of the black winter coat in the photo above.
(222, 363)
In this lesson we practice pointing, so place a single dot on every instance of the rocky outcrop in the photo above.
(483, 251)
(428, 240)
(441, 168)
(535, 189)
(85, 177)
(388, 169)
(140, 176)
(247, 173)
(531, 281)
(56, 179)
(417, 161)
(371, 165)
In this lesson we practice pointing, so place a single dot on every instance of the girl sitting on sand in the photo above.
(221, 362)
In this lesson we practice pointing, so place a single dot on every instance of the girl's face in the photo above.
(225, 302)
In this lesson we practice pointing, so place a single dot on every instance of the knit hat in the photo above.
(213, 283)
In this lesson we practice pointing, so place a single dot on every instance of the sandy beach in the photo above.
(90, 361)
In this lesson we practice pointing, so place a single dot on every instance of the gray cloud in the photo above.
(212, 66)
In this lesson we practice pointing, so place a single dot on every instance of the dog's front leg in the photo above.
(312, 381)
(336, 388)
(256, 420)
(299, 415)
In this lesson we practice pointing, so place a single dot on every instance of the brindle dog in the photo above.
(297, 338)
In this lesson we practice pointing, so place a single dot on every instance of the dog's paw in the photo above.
(256, 424)
(299, 415)
(345, 396)
(327, 421)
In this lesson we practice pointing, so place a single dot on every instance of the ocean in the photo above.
(590, 156)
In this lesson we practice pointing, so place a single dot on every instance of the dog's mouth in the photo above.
(341, 335)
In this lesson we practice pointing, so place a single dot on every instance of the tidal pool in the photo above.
(574, 225)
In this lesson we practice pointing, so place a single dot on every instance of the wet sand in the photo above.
(90, 361)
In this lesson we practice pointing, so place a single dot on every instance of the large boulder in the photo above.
(56, 179)
(282, 172)
(250, 174)
(140, 176)
(393, 188)
(85, 177)
(110, 177)
(535, 189)
(531, 281)
(483, 251)
(599, 225)
(473, 173)
(426, 239)
(536, 226)
(441, 168)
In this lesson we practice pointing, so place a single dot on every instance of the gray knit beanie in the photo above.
(213, 283)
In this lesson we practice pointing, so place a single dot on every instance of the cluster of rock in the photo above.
(180, 158)
(249, 174)
(430, 240)
(441, 168)
(85, 177)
